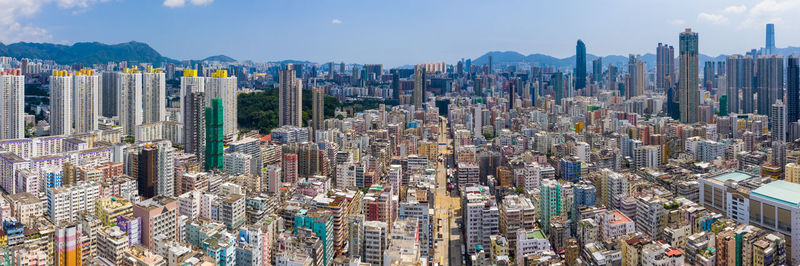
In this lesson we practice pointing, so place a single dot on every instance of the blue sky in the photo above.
(398, 32)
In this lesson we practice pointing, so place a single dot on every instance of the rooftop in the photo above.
(619, 218)
(535, 234)
(735, 176)
(781, 191)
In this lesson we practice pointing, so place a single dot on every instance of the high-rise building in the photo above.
(769, 80)
(214, 135)
(665, 67)
(637, 72)
(549, 202)
(65, 203)
(317, 109)
(194, 124)
(190, 83)
(558, 86)
(223, 87)
(12, 104)
(580, 65)
(777, 121)
(68, 244)
(770, 43)
(60, 103)
(154, 94)
(159, 216)
(597, 70)
(290, 96)
(419, 81)
(687, 86)
(709, 75)
(85, 101)
(130, 111)
(110, 95)
(793, 88)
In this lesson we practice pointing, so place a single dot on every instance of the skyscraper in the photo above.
(777, 121)
(290, 97)
(745, 81)
(214, 135)
(60, 103)
(665, 78)
(110, 94)
(770, 43)
(665, 65)
(154, 96)
(793, 88)
(733, 82)
(580, 65)
(636, 69)
(190, 83)
(769, 81)
(223, 87)
(317, 109)
(194, 124)
(418, 83)
(12, 104)
(687, 86)
(130, 112)
(558, 86)
(708, 75)
(85, 101)
(597, 70)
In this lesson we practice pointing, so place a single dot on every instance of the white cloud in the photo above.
(181, 3)
(771, 11)
(174, 3)
(11, 30)
(336, 21)
(678, 22)
(735, 9)
(716, 19)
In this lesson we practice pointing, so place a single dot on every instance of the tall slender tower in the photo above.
(793, 88)
(687, 86)
(769, 81)
(214, 135)
(194, 124)
(190, 83)
(317, 109)
(746, 65)
(770, 43)
(665, 65)
(223, 87)
(12, 104)
(60, 103)
(777, 121)
(154, 92)
(597, 70)
(419, 79)
(290, 97)
(733, 82)
(580, 65)
(130, 110)
(85, 101)
(110, 94)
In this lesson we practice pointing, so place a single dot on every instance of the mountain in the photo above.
(219, 58)
(85, 53)
(511, 57)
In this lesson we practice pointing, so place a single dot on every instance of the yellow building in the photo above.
(792, 172)
(428, 150)
(108, 209)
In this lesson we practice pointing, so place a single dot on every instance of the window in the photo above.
(755, 211)
(768, 212)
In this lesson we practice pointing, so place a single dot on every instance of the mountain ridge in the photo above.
(88, 53)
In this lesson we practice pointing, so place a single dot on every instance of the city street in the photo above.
(447, 209)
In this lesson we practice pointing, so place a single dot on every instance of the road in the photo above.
(447, 209)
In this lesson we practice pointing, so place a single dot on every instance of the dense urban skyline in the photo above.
(398, 33)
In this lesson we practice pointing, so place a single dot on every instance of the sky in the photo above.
(399, 32)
